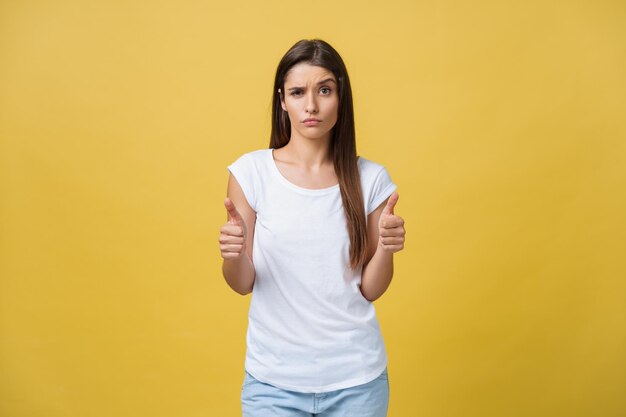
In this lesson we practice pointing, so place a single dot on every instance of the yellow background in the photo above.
(503, 124)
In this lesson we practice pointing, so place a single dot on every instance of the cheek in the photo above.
(291, 112)
(335, 111)
(335, 105)
(291, 108)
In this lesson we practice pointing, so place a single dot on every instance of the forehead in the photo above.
(304, 73)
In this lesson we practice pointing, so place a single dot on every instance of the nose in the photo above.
(311, 103)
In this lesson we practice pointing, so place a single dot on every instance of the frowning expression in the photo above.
(311, 101)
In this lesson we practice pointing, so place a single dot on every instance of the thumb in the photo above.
(391, 203)
(233, 215)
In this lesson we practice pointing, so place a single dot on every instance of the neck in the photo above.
(311, 153)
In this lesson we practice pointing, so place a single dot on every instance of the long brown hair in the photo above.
(342, 148)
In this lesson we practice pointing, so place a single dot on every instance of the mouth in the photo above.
(311, 122)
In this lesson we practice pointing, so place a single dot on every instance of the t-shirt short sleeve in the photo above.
(382, 188)
(244, 172)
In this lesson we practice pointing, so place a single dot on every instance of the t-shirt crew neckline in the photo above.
(293, 186)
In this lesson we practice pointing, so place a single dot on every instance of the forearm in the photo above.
(239, 273)
(376, 275)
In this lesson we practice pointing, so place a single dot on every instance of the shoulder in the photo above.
(365, 163)
(369, 169)
(252, 161)
(258, 153)
(255, 155)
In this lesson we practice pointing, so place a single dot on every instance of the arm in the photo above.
(238, 269)
(385, 236)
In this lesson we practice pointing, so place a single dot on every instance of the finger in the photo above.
(392, 232)
(392, 240)
(230, 239)
(231, 248)
(233, 215)
(232, 230)
(231, 255)
(393, 248)
(391, 221)
(391, 203)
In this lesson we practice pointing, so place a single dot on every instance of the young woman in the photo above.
(311, 233)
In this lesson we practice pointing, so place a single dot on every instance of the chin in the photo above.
(316, 137)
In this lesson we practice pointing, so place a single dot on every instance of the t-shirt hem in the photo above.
(383, 196)
(321, 388)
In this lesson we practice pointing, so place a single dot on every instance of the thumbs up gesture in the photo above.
(391, 227)
(233, 234)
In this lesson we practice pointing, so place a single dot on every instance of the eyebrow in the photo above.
(321, 82)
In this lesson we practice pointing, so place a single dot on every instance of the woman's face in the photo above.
(311, 92)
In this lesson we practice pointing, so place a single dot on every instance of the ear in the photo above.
(282, 102)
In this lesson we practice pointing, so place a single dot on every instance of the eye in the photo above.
(327, 89)
(295, 92)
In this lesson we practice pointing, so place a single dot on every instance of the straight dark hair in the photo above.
(342, 149)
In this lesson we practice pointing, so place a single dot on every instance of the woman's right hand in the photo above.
(233, 234)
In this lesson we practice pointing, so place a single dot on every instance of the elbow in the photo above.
(369, 297)
(375, 293)
(241, 290)
(244, 291)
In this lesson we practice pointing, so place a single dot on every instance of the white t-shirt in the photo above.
(309, 327)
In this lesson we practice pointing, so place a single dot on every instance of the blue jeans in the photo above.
(259, 399)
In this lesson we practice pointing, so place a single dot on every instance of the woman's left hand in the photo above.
(391, 227)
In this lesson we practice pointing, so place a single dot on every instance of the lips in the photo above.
(311, 121)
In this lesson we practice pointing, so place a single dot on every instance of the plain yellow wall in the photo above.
(503, 124)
